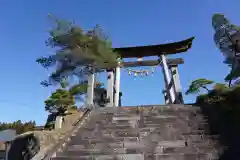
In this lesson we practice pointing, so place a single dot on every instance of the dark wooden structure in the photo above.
(172, 82)
(155, 50)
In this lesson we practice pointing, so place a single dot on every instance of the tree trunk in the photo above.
(204, 87)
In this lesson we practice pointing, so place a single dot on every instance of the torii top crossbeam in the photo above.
(155, 50)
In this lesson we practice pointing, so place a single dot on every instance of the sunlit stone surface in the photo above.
(147, 133)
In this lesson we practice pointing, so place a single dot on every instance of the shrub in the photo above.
(19, 126)
(222, 110)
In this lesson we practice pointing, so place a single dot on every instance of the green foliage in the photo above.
(221, 109)
(198, 84)
(63, 99)
(78, 89)
(234, 75)
(76, 52)
(59, 101)
(18, 126)
(229, 95)
(222, 37)
(219, 19)
(74, 108)
(223, 28)
(220, 86)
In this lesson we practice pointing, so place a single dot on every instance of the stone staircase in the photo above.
(173, 132)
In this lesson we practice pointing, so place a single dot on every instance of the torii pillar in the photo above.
(176, 82)
(165, 96)
(117, 84)
(90, 89)
(110, 87)
(167, 77)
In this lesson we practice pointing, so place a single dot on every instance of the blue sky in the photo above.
(23, 30)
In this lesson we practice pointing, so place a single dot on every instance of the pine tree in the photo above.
(224, 30)
(77, 53)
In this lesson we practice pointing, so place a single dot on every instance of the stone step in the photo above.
(201, 137)
(77, 140)
(112, 126)
(138, 141)
(125, 117)
(114, 151)
(94, 141)
(177, 156)
(150, 133)
(164, 147)
(97, 145)
(102, 157)
(95, 152)
(134, 144)
(121, 134)
(190, 156)
(163, 117)
(194, 135)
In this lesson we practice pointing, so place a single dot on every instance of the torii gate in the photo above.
(172, 91)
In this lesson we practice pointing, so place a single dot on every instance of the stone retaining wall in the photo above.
(49, 138)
